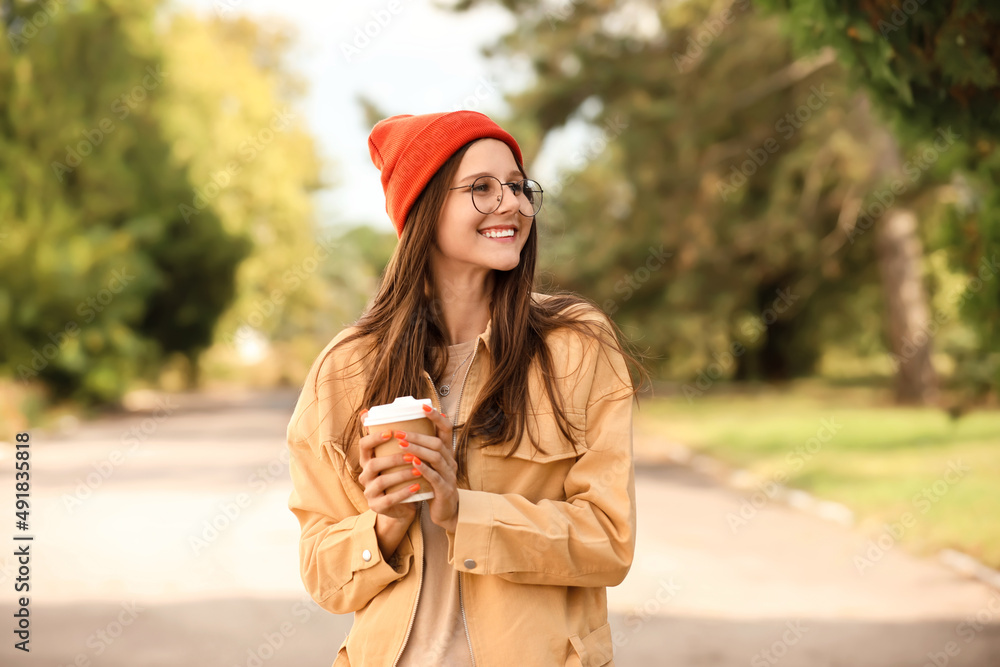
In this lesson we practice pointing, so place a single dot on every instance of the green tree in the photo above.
(232, 116)
(714, 143)
(759, 168)
(100, 275)
(930, 66)
(159, 192)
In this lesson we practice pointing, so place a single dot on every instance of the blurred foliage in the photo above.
(155, 177)
(671, 165)
(100, 273)
(709, 136)
(232, 119)
(929, 66)
(155, 184)
(926, 64)
(346, 264)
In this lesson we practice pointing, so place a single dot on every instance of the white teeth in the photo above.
(493, 234)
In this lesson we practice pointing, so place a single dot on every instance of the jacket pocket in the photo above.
(596, 649)
(556, 446)
(532, 473)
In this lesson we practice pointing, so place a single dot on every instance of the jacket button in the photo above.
(469, 564)
(366, 555)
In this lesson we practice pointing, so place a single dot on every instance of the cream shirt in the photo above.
(438, 633)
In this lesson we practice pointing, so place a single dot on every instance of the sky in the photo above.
(406, 55)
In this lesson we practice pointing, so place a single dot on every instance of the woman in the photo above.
(533, 513)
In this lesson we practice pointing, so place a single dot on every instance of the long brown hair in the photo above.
(403, 327)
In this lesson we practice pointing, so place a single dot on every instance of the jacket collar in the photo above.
(485, 336)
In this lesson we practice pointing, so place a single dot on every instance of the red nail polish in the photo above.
(386, 435)
(404, 443)
(400, 435)
(408, 458)
(416, 473)
(427, 408)
(414, 488)
(416, 461)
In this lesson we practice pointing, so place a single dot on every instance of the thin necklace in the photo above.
(445, 389)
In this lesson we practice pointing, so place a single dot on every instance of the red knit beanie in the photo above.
(409, 150)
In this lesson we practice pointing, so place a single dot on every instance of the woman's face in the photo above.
(461, 243)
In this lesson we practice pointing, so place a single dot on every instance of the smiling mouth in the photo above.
(498, 233)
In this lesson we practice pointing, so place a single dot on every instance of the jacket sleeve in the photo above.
(587, 539)
(340, 562)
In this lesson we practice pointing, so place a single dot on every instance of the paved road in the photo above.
(128, 570)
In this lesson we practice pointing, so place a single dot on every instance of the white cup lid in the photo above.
(401, 409)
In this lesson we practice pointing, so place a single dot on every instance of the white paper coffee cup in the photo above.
(403, 414)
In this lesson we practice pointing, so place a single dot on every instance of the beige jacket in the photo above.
(538, 537)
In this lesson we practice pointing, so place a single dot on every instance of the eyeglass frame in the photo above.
(500, 201)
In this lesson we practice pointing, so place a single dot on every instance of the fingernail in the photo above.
(386, 435)
(427, 408)
(404, 443)
(416, 461)
(443, 414)
(408, 457)
(414, 488)
(416, 473)
(400, 435)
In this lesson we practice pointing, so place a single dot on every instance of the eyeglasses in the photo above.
(487, 193)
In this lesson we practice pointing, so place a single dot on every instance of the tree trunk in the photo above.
(907, 313)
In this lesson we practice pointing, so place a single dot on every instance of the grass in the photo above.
(879, 460)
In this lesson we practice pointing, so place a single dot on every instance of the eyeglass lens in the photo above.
(487, 194)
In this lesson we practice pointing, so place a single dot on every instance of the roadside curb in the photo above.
(969, 567)
(742, 480)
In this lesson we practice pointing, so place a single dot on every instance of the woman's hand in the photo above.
(389, 505)
(432, 456)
